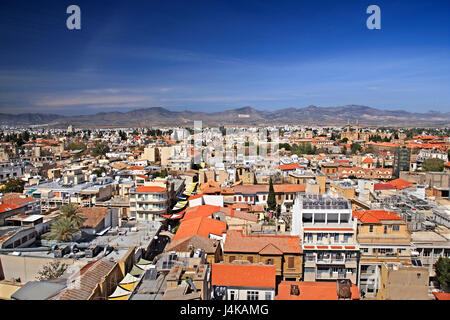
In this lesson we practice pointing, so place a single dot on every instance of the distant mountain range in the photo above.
(310, 115)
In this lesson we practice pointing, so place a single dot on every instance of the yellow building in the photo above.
(383, 236)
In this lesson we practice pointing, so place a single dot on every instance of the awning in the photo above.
(136, 271)
(129, 282)
(120, 294)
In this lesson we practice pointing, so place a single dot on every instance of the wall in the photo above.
(26, 268)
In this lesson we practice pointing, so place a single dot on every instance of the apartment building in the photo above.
(383, 236)
(149, 202)
(10, 171)
(328, 235)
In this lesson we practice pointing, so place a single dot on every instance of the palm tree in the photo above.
(71, 212)
(63, 229)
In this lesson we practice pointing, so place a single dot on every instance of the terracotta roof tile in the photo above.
(237, 242)
(312, 291)
(250, 275)
(150, 189)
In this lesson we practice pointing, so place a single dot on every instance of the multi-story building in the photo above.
(428, 246)
(402, 160)
(383, 236)
(10, 171)
(149, 202)
(328, 235)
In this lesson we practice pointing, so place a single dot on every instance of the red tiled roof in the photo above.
(251, 189)
(91, 275)
(375, 216)
(150, 189)
(240, 205)
(383, 186)
(205, 210)
(367, 160)
(16, 199)
(447, 164)
(136, 168)
(237, 242)
(286, 167)
(400, 183)
(4, 207)
(442, 295)
(201, 226)
(312, 291)
(250, 275)
(286, 188)
(93, 215)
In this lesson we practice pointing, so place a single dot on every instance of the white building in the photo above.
(328, 233)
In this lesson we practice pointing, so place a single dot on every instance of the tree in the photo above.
(71, 212)
(355, 147)
(435, 165)
(98, 172)
(63, 229)
(51, 271)
(271, 201)
(442, 269)
(100, 149)
(13, 186)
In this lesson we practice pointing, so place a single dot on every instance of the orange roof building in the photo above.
(244, 276)
(400, 184)
(150, 189)
(375, 216)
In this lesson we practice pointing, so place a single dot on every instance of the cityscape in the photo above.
(189, 190)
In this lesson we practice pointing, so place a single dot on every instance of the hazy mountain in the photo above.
(243, 116)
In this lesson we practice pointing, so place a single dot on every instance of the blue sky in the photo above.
(216, 55)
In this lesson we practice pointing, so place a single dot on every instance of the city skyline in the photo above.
(209, 56)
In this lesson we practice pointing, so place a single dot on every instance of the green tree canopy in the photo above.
(70, 211)
(355, 147)
(63, 229)
(271, 201)
(435, 165)
(100, 149)
(442, 269)
(13, 186)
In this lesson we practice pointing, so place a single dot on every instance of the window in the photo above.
(385, 229)
(269, 261)
(319, 218)
(396, 228)
(307, 217)
(252, 295)
(233, 295)
(371, 228)
(250, 259)
(232, 258)
(333, 218)
(291, 262)
(268, 295)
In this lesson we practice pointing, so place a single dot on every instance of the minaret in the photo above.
(348, 126)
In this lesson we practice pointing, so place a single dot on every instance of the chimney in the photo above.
(343, 287)
(295, 291)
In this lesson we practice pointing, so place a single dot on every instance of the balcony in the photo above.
(331, 261)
